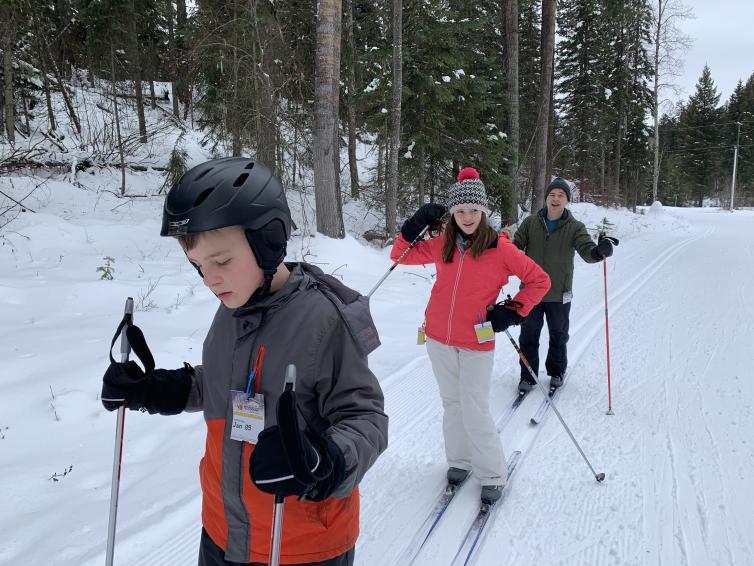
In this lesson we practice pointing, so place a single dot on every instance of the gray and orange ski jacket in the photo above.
(325, 329)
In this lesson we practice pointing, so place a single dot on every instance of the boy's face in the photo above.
(229, 267)
(556, 202)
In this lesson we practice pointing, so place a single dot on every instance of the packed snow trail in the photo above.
(677, 452)
(663, 501)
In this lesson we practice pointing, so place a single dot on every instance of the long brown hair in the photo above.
(481, 239)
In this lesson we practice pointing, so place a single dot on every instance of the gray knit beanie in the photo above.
(559, 183)
(468, 192)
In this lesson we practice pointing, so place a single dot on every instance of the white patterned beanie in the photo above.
(468, 192)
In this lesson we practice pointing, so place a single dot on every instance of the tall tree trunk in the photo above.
(656, 101)
(266, 119)
(173, 50)
(117, 120)
(8, 31)
(233, 121)
(551, 124)
(184, 89)
(380, 164)
(514, 134)
(543, 105)
(421, 179)
(48, 97)
(136, 70)
(618, 148)
(326, 98)
(391, 194)
(63, 91)
(351, 84)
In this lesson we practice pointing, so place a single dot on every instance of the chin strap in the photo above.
(262, 291)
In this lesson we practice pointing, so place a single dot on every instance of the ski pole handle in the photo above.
(125, 345)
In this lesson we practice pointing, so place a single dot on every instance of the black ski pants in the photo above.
(557, 324)
(212, 555)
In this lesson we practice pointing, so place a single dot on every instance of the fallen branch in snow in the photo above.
(9, 165)
(54, 477)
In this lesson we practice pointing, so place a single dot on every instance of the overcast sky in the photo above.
(723, 37)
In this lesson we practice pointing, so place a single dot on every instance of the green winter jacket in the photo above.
(554, 252)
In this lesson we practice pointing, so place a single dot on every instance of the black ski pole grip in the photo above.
(290, 433)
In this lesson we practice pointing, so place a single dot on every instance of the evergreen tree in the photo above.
(530, 23)
(581, 82)
(739, 128)
(701, 138)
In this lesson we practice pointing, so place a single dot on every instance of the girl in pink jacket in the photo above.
(473, 264)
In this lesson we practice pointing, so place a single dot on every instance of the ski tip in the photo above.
(600, 477)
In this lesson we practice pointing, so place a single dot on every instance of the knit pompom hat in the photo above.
(468, 192)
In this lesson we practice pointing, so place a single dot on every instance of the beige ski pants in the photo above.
(471, 440)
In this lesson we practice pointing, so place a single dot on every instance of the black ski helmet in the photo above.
(233, 191)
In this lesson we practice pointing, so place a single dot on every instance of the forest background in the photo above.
(521, 89)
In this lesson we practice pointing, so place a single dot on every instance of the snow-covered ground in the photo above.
(677, 453)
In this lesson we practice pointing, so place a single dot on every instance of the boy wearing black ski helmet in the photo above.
(232, 220)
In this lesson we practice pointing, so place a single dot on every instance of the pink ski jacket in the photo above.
(466, 286)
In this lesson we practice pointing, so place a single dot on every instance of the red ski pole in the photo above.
(613, 241)
(607, 343)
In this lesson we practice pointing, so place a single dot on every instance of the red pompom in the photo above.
(467, 173)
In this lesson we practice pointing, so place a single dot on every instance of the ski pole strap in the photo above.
(509, 303)
(138, 343)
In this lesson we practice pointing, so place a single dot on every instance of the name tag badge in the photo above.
(484, 332)
(248, 416)
(567, 296)
(421, 337)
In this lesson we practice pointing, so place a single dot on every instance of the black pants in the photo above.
(212, 555)
(557, 324)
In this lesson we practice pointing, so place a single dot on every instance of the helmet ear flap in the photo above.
(268, 245)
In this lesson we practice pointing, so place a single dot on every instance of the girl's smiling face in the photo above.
(468, 219)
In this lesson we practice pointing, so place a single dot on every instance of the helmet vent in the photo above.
(203, 196)
(249, 165)
(241, 179)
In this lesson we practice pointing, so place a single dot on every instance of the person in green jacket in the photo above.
(550, 238)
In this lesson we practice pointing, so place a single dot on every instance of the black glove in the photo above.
(271, 470)
(289, 461)
(604, 247)
(502, 317)
(158, 391)
(428, 215)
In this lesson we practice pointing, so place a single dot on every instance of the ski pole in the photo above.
(613, 241)
(607, 344)
(277, 509)
(408, 249)
(599, 477)
(125, 350)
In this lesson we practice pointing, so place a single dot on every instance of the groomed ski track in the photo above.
(671, 453)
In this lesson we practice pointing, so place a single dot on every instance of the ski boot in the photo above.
(491, 493)
(456, 476)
